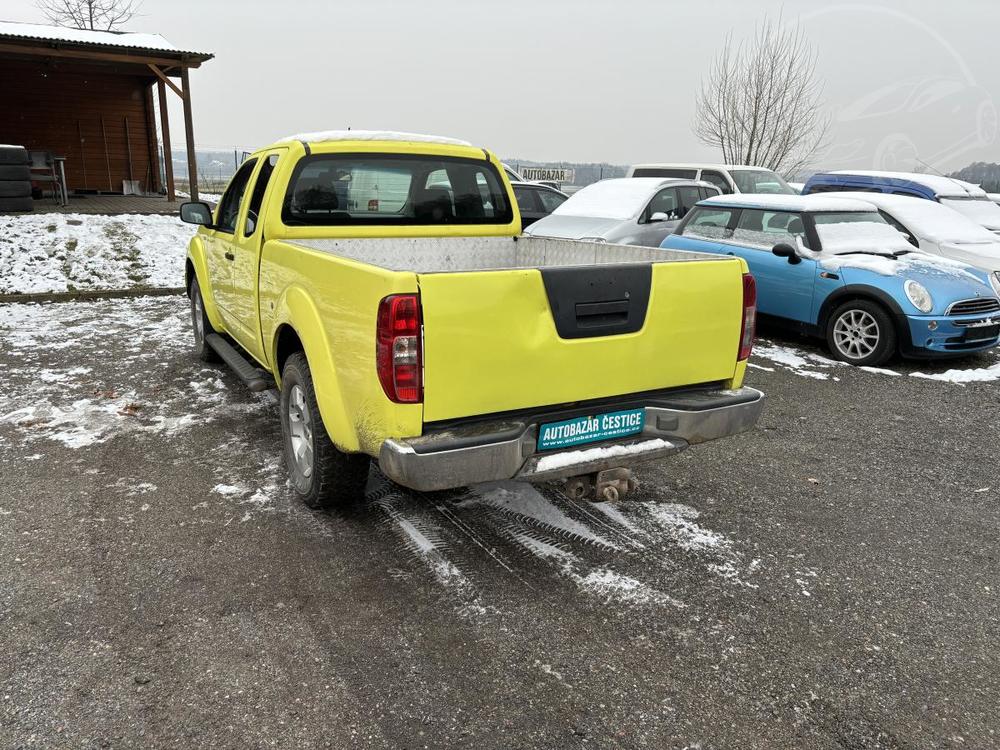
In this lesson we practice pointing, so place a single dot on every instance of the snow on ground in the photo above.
(138, 391)
(978, 368)
(69, 252)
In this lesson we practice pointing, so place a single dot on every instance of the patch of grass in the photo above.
(124, 248)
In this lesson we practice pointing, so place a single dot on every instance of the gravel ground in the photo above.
(827, 581)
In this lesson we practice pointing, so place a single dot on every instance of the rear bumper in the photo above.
(506, 449)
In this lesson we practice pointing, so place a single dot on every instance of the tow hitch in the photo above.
(609, 485)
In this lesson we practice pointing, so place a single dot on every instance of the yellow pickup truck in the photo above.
(381, 282)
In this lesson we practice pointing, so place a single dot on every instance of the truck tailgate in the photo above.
(578, 321)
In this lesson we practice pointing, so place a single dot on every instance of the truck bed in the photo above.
(429, 255)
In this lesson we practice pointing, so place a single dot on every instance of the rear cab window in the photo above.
(373, 189)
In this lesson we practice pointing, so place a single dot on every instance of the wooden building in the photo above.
(88, 96)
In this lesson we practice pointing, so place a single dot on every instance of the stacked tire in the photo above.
(15, 179)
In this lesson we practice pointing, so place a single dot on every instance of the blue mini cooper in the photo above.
(834, 268)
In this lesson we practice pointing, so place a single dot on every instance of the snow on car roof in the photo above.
(789, 202)
(616, 198)
(928, 219)
(939, 184)
(129, 39)
(697, 165)
(372, 135)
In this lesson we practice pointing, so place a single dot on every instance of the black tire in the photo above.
(15, 204)
(20, 172)
(332, 479)
(205, 352)
(861, 332)
(14, 155)
(15, 189)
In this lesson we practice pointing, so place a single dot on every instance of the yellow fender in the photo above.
(296, 305)
(196, 256)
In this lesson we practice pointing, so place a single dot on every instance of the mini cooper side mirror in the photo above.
(784, 250)
(196, 212)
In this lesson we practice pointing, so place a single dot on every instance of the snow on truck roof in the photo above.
(323, 136)
(939, 184)
(126, 39)
(822, 202)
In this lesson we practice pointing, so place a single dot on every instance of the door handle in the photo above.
(230, 256)
(730, 253)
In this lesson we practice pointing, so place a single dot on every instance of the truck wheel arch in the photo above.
(872, 294)
(300, 329)
(196, 267)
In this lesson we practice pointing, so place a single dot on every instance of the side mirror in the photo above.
(196, 212)
(659, 216)
(784, 250)
(251, 225)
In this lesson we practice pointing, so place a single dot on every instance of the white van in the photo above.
(729, 178)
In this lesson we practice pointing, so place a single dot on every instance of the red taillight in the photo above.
(749, 316)
(398, 354)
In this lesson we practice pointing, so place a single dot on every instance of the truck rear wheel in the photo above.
(201, 325)
(323, 477)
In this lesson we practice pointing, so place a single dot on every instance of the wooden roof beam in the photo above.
(163, 77)
(43, 51)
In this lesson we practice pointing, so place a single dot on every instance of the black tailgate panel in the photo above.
(592, 301)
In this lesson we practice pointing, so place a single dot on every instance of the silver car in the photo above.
(625, 211)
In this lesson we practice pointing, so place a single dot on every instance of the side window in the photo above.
(709, 224)
(684, 174)
(526, 200)
(901, 229)
(688, 196)
(716, 179)
(550, 199)
(765, 229)
(229, 206)
(664, 202)
(257, 196)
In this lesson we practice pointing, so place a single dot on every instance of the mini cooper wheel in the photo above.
(201, 325)
(861, 332)
(323, 477)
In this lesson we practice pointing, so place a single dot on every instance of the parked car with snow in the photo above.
(380, 279)
(835, 268)
(968, 199)
(937, 230)
(536, 201)
(728, 178)
(638, 211)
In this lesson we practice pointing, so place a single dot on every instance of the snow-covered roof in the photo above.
(125, 39)
(929, 220)
(939, 184)
(779, 202)
(372, 135)
(696, 165)
(616, 198)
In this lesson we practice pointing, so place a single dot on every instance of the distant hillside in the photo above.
(981, 173)
(585, 174)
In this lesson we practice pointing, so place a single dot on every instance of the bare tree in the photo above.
(95, 15)
(761, 103)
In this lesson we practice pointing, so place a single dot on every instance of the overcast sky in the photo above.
(580, 81)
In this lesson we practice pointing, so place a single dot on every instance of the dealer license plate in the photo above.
(590, 429)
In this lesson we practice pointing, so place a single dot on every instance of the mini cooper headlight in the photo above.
(919, 296)
(995, 282)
